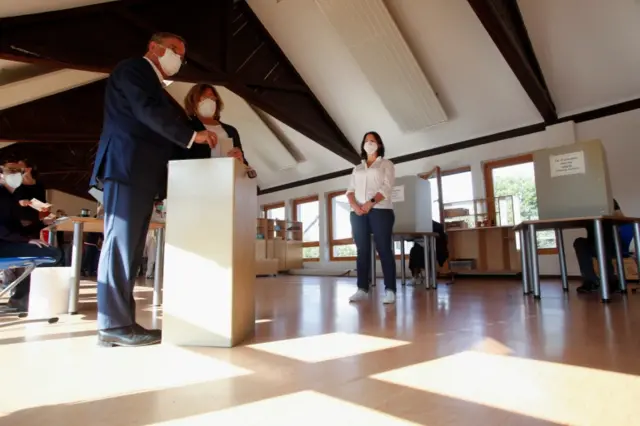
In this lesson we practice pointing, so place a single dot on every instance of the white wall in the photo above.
(619, 134)
(69, 203)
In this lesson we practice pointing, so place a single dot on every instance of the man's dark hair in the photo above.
(162, 36)
(376, 136)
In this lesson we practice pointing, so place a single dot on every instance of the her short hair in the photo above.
(193, 97)
(376, 136)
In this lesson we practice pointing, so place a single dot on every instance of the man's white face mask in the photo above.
(170, 62)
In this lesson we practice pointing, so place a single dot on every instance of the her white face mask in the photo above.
(370, 147)
(207, 108)
(13, 180)
(170, 62)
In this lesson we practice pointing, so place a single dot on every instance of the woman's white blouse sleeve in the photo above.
(352, 182)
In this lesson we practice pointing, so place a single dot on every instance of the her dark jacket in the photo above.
(199, 151)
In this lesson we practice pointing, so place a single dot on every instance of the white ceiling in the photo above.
(588, 51)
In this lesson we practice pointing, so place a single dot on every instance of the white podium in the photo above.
(209, 269)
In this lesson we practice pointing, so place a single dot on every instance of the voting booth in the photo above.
(209, 270)
(412, 204)
(573, 181)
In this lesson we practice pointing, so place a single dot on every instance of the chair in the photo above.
(29, 263)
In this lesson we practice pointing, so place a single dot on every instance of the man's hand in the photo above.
(48, 220)
(206, 137)
(25, 203)
(39, 243)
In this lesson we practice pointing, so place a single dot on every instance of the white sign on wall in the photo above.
(397, 194)
(567, 164)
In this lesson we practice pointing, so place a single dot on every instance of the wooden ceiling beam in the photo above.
(503, 21)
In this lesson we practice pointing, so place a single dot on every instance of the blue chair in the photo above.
(626, 236)
(29, 263)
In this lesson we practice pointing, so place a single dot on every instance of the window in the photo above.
(456, 186)
(341, 246)
(307, 211)
(515, 176)
(275, 211)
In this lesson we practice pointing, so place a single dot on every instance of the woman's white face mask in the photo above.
(207, 108)
(370, 147)
(14, 180)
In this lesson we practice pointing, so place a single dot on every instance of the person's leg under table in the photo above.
(20, 297)
(126, 222)
(381, 222)
(585, 253)
(362, 238)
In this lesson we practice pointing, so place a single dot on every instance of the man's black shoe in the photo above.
(130, 336)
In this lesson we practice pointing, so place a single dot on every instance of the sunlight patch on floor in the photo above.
(554, 392)
(75, 370)
(327, 346)
(301, 408)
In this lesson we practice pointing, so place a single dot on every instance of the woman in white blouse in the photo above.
(372, 213)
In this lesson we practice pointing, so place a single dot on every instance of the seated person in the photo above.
(585, 249)
(15, 239)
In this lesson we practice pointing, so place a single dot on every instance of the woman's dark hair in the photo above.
(378, 139)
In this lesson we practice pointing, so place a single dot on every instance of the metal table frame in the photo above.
(431, 267)
(78, 224)
(529, 250)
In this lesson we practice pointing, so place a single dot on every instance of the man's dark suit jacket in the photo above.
(141, 128)
(203, 151)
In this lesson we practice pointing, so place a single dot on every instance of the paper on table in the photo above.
(39, 205)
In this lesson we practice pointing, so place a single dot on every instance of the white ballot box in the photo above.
(209, 270)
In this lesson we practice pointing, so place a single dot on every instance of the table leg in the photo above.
(403, 272)
(563, 260)
(427, 258)
(524, 260)
(76, 263)
(158, 274)
(434, 265)
(533, 256)
(636, 242)
(619, 260)
(373, 262)
(602, 260)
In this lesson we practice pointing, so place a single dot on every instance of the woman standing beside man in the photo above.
(204, 105)
(369, 195)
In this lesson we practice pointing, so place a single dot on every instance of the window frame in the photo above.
(294, 205)
(487, 168)
(272, 206)
(438, 174)
(336, 242)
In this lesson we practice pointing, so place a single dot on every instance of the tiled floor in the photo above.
(475, 353)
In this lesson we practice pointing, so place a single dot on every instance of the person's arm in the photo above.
(150, 106)
(235, 137)
(384, 192)
(351, 194)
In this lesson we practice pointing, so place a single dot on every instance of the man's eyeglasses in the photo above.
(173, 49)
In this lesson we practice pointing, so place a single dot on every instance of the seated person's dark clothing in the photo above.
(585, 249)
(14, 242)
(91, 253)
(28, 214)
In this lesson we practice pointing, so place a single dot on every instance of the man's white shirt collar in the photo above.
(157, 71)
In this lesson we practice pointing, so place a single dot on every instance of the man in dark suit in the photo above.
(141, 128)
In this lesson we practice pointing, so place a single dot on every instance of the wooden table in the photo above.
(79, 225)
(430, 264)
(529, 249)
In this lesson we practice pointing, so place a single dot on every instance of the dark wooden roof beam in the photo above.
(503, 21)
